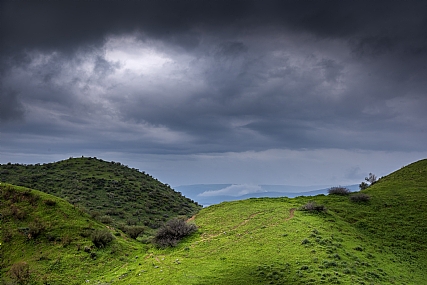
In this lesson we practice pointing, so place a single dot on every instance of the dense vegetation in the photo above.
(380, 239)
(111, 192)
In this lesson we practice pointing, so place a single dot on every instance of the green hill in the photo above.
(45, 240)
(113, 193)
(257, 241)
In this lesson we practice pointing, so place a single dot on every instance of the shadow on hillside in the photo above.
(244, 275)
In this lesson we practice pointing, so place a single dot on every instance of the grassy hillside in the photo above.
(265, 241)
(113, 193)
(269, 241)
(45, 240)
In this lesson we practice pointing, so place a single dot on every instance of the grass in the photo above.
(255, 241)
(57, 251)
(249, 242)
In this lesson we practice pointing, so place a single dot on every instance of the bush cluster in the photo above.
(101, 238)
(313, 207)
(360, 197)
(172, 232)
(339, 190)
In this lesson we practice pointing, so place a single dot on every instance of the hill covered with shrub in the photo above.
(111, 192)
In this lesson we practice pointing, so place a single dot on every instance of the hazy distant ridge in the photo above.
(208, 194)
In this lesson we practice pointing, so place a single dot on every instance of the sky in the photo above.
(243, 92)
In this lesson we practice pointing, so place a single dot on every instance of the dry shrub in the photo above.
(313, 207)
(16, 212)
(360, 197)
(172, 232)
(20, 272)
(339, 191)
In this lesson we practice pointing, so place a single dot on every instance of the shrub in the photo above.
(105, 219)
(101, 238)
(87, 232)
(172, 232)
(305, 241)
(358, 248)
(17, 212)
(313, 207)
(30, 197)
(35, 229)
(360, 197)
(66, 240)
(363, 185)
(339, 191)
(134, 231)
(20, 272)
(95, 214)
(7, 235)
(50, 202)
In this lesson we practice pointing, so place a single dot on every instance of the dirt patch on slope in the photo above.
(291, 214)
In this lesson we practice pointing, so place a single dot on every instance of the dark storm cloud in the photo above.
(10, 106)
(233, 75)
(66, 25)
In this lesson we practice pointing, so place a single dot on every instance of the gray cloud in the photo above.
(197, 77)
(11, 108)
(67, 25)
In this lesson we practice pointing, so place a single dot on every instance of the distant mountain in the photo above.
(208, 194)
(110, 191)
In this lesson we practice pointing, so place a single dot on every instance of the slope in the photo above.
(45, 240)
(258, 241)
(113, 193)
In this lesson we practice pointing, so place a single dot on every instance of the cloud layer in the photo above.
(234, 191)
(212, 77)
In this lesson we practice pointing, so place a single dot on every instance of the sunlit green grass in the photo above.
(249, 242)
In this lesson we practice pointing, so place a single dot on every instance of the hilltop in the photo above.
(111, 192)
(380, 240)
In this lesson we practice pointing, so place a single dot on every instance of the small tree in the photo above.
(363, 186)
(372, 178)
